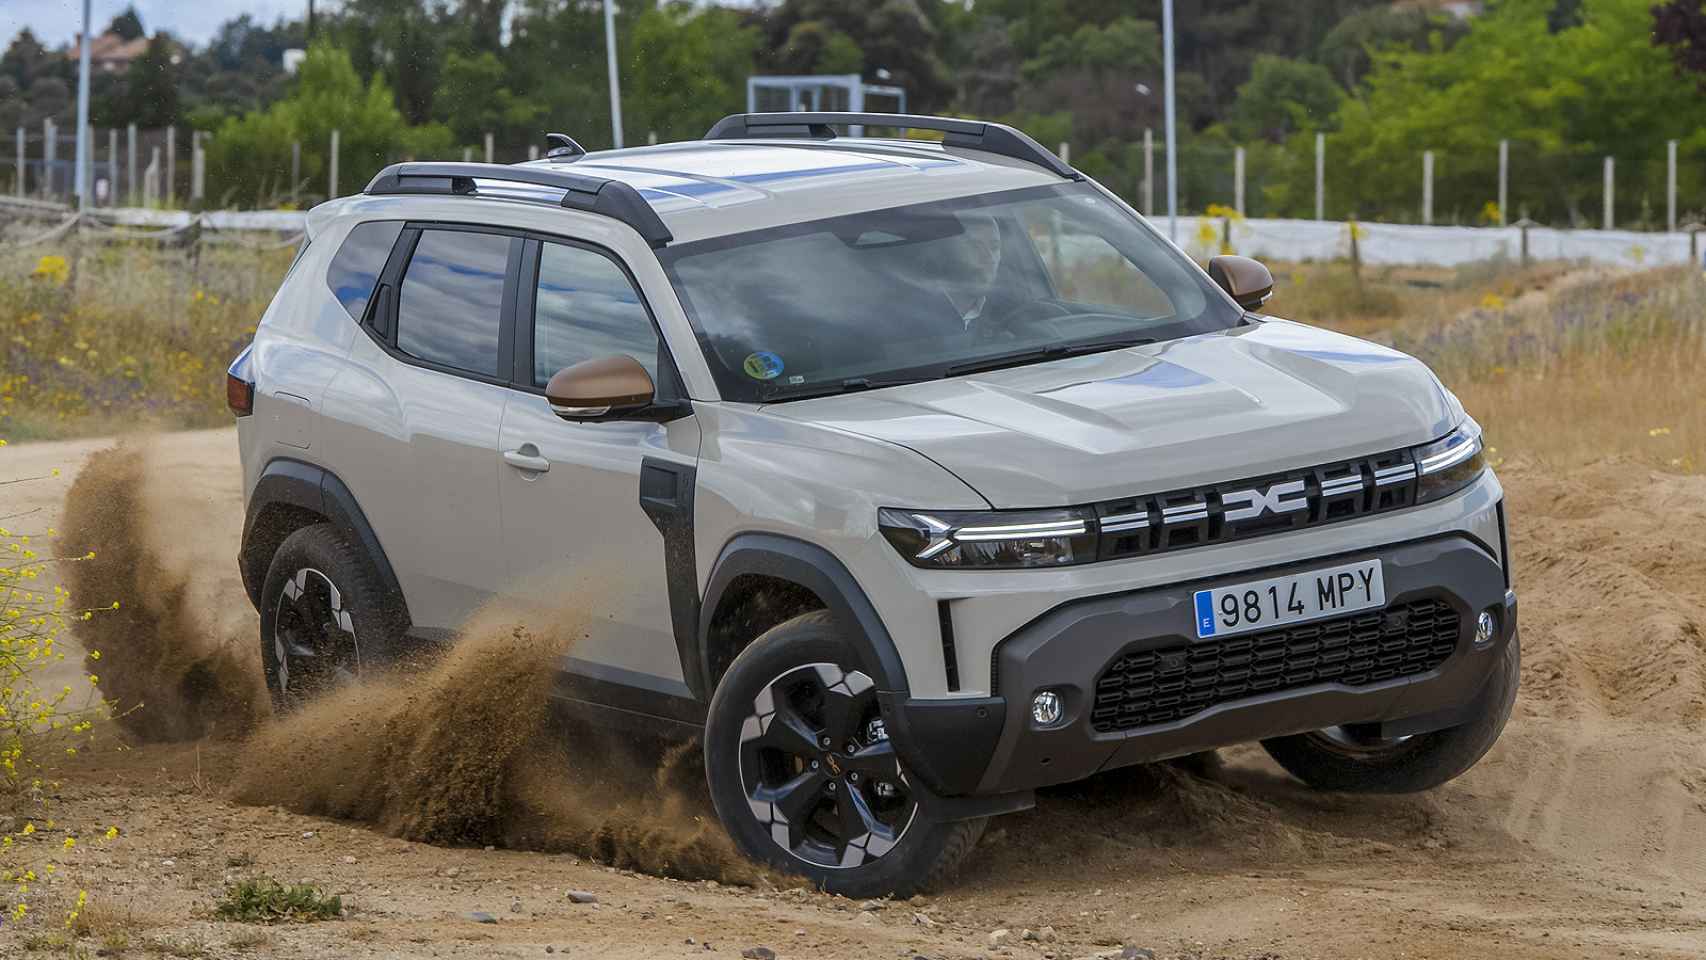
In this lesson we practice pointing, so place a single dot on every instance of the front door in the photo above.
(579, 546)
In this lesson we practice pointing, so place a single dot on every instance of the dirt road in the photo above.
(1582, 834)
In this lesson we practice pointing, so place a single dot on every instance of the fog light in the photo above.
(1483, 629)
(1045, 708)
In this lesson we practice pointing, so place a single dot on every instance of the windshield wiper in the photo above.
(1053, 351)
(849, 385)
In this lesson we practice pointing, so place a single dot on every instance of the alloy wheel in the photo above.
(819, 771)
(314, 642)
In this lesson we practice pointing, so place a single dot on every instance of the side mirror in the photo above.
(600, 389)
(1247, 281)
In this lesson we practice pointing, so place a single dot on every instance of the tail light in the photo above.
(240, 385)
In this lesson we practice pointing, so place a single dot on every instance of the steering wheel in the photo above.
(1017, 320)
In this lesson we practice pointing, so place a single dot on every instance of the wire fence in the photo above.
(1660, 189)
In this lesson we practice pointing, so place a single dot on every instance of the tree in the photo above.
(127, 25)
(1567, 99)
(1348, 48)
(399, 40)
(1680, 26)
(249, 156)
(1096, 70)
(686, 66)
(895, 36)
(473, 100)
(148, 96)
(1283, 97)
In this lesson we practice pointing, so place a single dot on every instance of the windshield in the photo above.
(934, 290)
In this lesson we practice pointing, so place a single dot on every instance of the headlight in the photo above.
(1450, 463)
(991, 539)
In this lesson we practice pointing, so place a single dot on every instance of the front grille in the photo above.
(1143, 688)
(1241, 509)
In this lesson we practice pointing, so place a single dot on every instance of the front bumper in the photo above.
(990, 745)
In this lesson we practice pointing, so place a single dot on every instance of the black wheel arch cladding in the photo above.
(304, 488)
(817, 570)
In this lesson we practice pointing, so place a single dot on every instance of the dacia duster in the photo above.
(913, 475)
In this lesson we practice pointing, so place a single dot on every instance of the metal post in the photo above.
(332, 181)
(1172, 140)
(130, 165)
(1504, 178)
(488, 147)
(151, 179)
(295, 169)
(1610, 192)
(18, 187)
(85, 148)
(1320, 176)
(1066, 153)
(49, 147)
(1238, 180)
(1670, 186)
(652, 138)
(615, 85)
(198, 169)
(1427, 188)
(1148, 172)
(169, 191)
(112, 166)
(467, 154)
(533, 151)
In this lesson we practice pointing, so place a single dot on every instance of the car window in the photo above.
(585, 308)
(356, 267)
(450, 305)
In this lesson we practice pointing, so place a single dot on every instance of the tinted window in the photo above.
(451, 302)
(586, 309)
(356, 267)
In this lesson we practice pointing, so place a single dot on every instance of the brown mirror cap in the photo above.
(1246, 280)
(594, 387)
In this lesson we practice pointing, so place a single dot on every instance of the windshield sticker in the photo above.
(762, 365)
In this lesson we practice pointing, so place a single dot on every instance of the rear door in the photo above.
(579, 544)
(420, 405)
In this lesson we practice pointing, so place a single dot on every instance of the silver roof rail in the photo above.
(970, 134)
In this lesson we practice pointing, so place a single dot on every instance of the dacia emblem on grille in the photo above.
(1272, 500)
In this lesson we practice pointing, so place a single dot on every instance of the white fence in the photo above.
(1383, 243)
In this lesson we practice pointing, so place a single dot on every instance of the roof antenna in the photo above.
(563, 147)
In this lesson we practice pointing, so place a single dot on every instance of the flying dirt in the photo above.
(1579, 835)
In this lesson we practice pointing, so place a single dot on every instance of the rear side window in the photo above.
(450, 309)
(356, 267)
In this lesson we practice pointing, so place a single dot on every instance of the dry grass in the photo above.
(1377, 299)
(1562, 365)
(101, 339)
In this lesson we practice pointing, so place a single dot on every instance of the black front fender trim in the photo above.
(816, 569)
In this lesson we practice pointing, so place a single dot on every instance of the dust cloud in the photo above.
(463, 750)
(169, 673)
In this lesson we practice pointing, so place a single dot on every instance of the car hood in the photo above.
(1245, 402)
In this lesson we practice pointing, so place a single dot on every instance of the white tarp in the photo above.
(1386, 243)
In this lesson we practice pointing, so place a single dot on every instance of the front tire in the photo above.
(1352, 760)
(323, 617)
(803, 775)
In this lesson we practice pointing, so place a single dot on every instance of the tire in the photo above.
(844, 816)
(324, 618)
(1347, 759)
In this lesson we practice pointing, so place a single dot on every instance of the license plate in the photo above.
(1279, 601)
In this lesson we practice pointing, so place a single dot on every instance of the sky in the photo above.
(56, 22)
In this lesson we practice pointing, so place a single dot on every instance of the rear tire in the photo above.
(803, 776)
(324, 617)
(1347, 759)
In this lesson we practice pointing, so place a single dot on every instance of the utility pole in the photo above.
(83, 144)
(1148, 172)
(610, 61)
(1172, 139)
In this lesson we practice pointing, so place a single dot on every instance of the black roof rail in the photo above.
(563, 147)
(581, 191)
(970, 134)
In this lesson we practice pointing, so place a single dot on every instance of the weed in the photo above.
(265, 900)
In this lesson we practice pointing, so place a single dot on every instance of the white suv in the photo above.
(914, 475)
